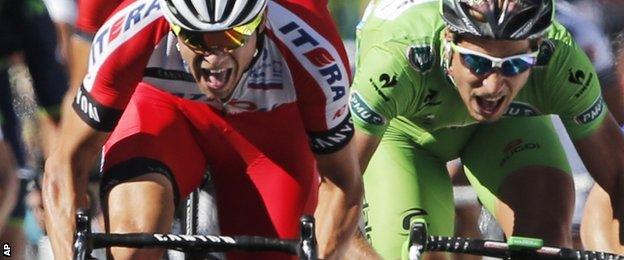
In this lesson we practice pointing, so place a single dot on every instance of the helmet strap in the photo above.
(260, 34)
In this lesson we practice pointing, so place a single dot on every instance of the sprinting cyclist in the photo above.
(255, 91)
(437, 80)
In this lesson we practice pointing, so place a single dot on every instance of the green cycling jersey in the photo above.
(402, 95)
(399, 75)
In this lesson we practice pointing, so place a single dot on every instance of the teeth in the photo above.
(217, 71)
(492, 99)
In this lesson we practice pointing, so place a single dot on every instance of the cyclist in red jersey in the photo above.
(255, 92)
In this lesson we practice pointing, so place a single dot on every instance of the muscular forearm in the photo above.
(59, 191)
(360, 249)
(65, 180)
(613, 185)
(599, 231)
(337, 215)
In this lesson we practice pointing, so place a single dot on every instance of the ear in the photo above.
(262, 25)
(448, 35)
(535, 44)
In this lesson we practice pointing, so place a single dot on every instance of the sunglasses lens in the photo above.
(515, 66)
(476, 64)
(228, 40)
(204, 41)
(193, 40)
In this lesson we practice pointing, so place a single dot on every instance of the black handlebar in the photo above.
(85, 242)
(421, 242)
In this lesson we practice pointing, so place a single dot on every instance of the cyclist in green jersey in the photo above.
(476, 79)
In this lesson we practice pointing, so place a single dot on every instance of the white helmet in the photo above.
(211, 15)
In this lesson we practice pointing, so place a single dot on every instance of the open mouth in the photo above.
(489, 106)
(216, 78)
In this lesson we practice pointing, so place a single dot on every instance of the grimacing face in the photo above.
(218, 72)
(488, 96)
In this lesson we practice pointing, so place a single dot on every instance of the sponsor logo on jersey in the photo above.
(519, 109)
(421, 57)
(192, 238)
(267, 75)
(316, 54)
(386, 82)
(580, 78)
(118, 29)
(363, 111)
(592, 113)
(409, 214)
(514, 147)
(333, 139)
(161, 73)
(93, 113)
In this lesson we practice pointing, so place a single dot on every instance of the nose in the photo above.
(493, 83)
(213, 56)
(217, 51)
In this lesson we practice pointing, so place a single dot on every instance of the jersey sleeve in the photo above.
(92, 14)
(317, 61)
(381, 90)
(119, 53)
(576, 96)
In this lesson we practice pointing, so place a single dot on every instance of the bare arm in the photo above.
(365, 146)
(599, 230)
(65, 180)
(77, 63)
(603, 155)
(339, 203)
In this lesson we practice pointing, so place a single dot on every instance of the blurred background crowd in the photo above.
(40, 60)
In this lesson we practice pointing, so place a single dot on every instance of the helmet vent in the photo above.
(244, 14)
(519, 20)
(210, 5)
(473, 13)
(191, 8)
(227, 11)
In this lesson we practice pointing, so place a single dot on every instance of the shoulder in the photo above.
(557, 50)
(129, 20)
(309, 41)
(410, 20)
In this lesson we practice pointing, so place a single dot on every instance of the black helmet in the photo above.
(498, 19)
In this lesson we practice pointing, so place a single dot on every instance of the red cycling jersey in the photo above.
(93, 13)
(258, 144)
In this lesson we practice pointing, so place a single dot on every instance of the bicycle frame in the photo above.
(85, 241)
(526, 248)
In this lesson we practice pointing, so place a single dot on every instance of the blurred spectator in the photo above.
(28, 35)
(8, 185)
